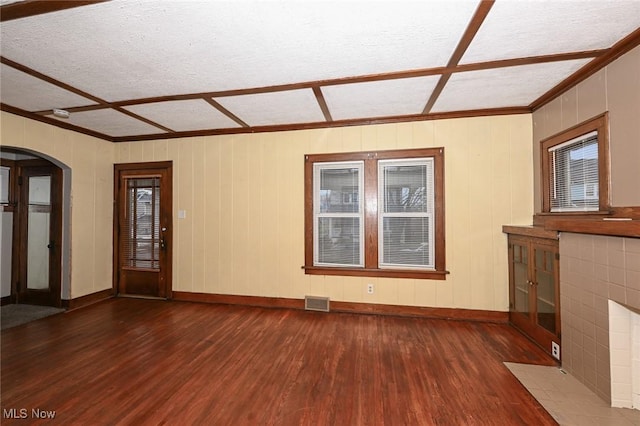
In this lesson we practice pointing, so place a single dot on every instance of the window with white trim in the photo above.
(338, 214)
(574, 174)
(575, 169)
(406, 213)
(375, 214)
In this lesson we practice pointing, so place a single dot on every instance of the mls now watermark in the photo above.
(23, 413)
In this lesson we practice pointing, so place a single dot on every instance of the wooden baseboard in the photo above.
(423, 312)
(348, 307)
(89, 299)
(228, 299)
(5, 300)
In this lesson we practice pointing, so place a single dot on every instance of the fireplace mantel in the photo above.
(618, 227)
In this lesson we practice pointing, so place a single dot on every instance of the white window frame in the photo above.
(567, 197)
(318, 215)
(430, 213)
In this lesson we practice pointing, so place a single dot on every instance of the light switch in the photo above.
(182, 214)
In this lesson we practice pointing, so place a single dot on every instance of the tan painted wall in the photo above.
(594, 269)
(243, 197)
(91, 164)
(615, 88)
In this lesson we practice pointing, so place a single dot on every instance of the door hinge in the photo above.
(557, 256)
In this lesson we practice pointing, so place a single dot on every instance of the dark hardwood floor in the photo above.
(132, 361)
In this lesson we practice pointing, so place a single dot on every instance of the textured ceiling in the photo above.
(131, 69)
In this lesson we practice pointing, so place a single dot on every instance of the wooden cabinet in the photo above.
(534, 288)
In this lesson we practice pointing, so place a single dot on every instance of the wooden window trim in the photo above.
(599, 124)
(371, 268)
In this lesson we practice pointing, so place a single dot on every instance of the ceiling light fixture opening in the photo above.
(61, 113)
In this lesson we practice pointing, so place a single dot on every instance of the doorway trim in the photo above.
(124, 167)
(65, 247)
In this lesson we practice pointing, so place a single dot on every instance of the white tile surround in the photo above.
(596, 271)
(624, 342)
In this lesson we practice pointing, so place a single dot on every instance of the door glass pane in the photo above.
(521, 284)
(545, 298)
(38, 230)
(4, 184)
(141, 248)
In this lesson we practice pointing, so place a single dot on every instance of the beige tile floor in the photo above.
(569, 401)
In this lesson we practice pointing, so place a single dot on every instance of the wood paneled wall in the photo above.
(243, 196)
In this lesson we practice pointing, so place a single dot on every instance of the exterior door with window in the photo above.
(143, 229)
(37, 247)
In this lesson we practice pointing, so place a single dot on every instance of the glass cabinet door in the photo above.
(544, 277)
(521, 279)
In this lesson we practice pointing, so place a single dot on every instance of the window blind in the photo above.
(141, 245)
(574, 170)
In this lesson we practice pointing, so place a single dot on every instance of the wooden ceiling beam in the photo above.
(317, 91)
(472, 29)
(54, 122)
(27, 8)
(226, 112)
(144, 120)
(620, 48)
(53, 81)
(324, 124)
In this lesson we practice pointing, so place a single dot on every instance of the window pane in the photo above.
(40, 190)
(406, 241)
(339, 240)
(339, 190)
(142, 220)
(404, 188)
(4, 184)
(575, 183)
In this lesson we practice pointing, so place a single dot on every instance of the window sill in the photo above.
(382, 273)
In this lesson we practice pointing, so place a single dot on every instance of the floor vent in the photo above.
(313, 303)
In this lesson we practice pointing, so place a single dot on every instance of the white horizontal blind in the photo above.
(141, 240)
(338, 214)
(574, 182)
(406, 213)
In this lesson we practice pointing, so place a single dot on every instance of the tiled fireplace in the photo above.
(624, 342)
(600, 301)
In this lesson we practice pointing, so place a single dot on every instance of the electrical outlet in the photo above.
(555, 350)
(370, 288)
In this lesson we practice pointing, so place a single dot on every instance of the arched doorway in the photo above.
(35, 228)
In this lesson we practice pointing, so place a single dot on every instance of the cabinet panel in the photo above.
(534, 288)
(545, 287)
(521, 279)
